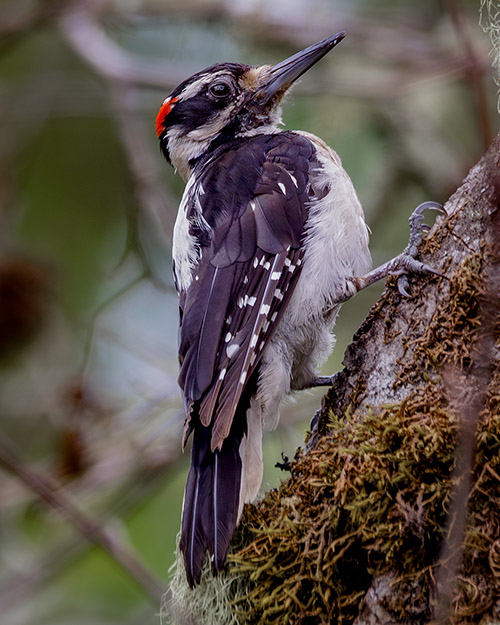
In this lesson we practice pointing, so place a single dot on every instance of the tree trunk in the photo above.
(391, 514)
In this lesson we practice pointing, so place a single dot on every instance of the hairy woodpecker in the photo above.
(269, 240)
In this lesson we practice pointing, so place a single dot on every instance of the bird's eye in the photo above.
(219, 90)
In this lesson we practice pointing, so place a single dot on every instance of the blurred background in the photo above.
(91, 472)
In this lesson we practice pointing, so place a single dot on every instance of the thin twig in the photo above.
(83, 33)
(52, 493)
(144, 167)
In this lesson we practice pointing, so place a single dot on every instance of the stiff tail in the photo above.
(211, 500)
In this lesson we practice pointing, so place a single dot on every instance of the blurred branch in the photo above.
(137, 489)
(421, 61)
(14, 25)
(51, 492)
(474, 71)
(86, 37)
(143, 166)
(125, 73)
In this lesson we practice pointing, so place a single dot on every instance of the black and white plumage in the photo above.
(270, 238)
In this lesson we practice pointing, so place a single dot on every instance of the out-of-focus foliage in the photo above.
(88, 312)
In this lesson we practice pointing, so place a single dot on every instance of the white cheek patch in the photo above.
(211, 128)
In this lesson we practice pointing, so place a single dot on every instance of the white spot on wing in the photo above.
(243, 377)
(275, 275)
(253, 342)
(228, 337)
(282, 187)
(222, 374)
(231, 350)
(264, 309)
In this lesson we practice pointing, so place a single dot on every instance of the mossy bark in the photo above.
(392, 512)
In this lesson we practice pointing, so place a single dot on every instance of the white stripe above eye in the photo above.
(197, 85)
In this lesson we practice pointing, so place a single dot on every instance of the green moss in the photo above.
(449, 337)
(369, 503)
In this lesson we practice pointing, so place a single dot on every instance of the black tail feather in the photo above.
(211, 499)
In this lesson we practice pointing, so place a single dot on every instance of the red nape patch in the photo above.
(165, 109)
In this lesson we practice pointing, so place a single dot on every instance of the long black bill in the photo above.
(285, 73)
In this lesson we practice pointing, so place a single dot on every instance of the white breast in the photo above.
(336, 241)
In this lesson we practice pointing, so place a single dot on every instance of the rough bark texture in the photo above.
(379, 365)
(391, 515)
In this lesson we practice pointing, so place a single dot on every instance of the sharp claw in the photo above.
(402, 286)
(430, 205)
(428, 269)
(418, 227)
(410, 265)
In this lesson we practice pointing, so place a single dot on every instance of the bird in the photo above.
(269, 240)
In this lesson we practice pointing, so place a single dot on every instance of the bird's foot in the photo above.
(406, 262)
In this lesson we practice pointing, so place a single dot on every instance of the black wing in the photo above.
(255, 203)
